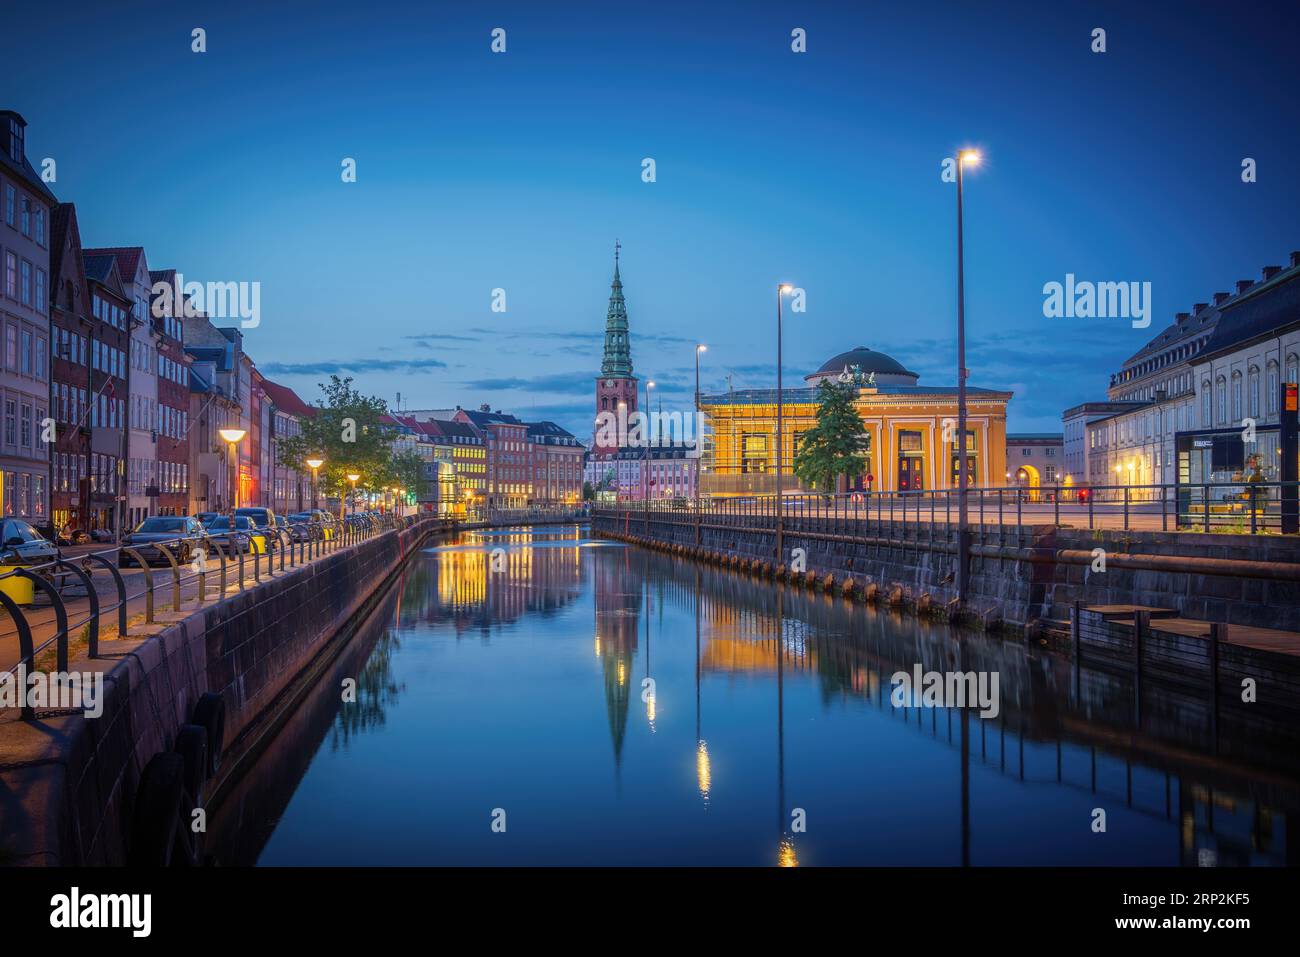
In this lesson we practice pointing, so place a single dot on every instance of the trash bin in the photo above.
(20, 589)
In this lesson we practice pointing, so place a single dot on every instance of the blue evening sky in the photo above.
(518, 170)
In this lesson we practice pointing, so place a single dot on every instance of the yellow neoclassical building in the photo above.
(911, 430)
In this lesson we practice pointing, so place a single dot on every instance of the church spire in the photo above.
(618, 348)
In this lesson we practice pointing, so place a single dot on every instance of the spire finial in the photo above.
(617, 247)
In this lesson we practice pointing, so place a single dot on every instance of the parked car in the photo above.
(303, 528)
(264, 519)
(73, 536)
(181, 535)
(20, 544)
(101, 535)
(246, 537)
(326, 520)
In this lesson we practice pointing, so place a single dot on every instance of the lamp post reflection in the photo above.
(703, 772)
(648, 686)
(785, 850)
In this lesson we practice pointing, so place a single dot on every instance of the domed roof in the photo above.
(887, 369)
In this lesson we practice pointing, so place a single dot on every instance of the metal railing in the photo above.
(1222, 507)
(189, 561)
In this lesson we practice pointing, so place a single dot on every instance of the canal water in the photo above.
(537, 697)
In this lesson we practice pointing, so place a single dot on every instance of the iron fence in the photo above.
(289, 545)
(1220, 507)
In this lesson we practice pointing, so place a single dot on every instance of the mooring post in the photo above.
(1217, 630)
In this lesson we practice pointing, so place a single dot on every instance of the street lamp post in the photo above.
(699, 422)
(352, 477)
(233, 437)
(315, 465)
(963, 528)
(781, 290)
(645, 448)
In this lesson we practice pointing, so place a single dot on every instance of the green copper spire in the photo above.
(618, 348)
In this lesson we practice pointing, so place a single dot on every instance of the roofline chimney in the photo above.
(1271, 271)
(1221, 296)
(1243, 285)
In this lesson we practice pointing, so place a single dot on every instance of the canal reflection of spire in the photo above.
(616, 585)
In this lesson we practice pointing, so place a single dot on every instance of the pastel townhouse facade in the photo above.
(1035, 459)
(69, 364)
(142, 384)
(555, 465)
(25, 239)
(506, 442)
(170, 489)
(290, 490)
(107, 387)
(218, 388)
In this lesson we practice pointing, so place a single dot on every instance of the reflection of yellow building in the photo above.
(910, 439)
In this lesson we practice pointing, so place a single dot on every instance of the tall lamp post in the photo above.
(699, 424)
(963, 529)
(233, 437)
(783, 289)
(645, 453)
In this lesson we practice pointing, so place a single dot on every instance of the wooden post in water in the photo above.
(1141, 622)
(1217, 630)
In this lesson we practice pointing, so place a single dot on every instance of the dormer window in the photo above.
(16, 148)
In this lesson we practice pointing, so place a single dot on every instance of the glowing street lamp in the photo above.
(233, 436)
(645, 454)
(315, 465)
(352, 477)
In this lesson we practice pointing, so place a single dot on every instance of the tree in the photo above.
(346, 431)
(407, 471)
(834, 446)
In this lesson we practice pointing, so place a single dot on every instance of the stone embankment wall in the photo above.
(1019, 576)
(67, 782)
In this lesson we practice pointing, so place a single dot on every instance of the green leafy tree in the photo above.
(407, 471)
(347, 431)
(834, 446)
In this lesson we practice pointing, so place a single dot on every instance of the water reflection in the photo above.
(791, 713)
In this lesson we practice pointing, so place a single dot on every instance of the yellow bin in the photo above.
(19, 589)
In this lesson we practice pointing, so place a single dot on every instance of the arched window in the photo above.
(1236, 398)
(1271, 384)
(1206, 420)
(1292, 367)
(1221, 399)
(1252, 392)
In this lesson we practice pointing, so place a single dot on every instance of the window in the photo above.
(25, 356)
(26, 216)
(11, 275)
(25, 289)
(40, 226)
(1236, 397)
(9, 204)
(1252, 392)
(40, 291)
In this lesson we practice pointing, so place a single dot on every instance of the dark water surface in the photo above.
(768, 736)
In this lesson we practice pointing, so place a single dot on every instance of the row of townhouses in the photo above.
(488, 458)
(113, 395)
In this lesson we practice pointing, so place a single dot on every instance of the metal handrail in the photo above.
(1240, 506)
(44, 575)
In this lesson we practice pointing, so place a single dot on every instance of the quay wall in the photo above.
(1020, 577)
(67, 782)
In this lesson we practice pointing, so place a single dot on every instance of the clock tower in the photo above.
(616, 386)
